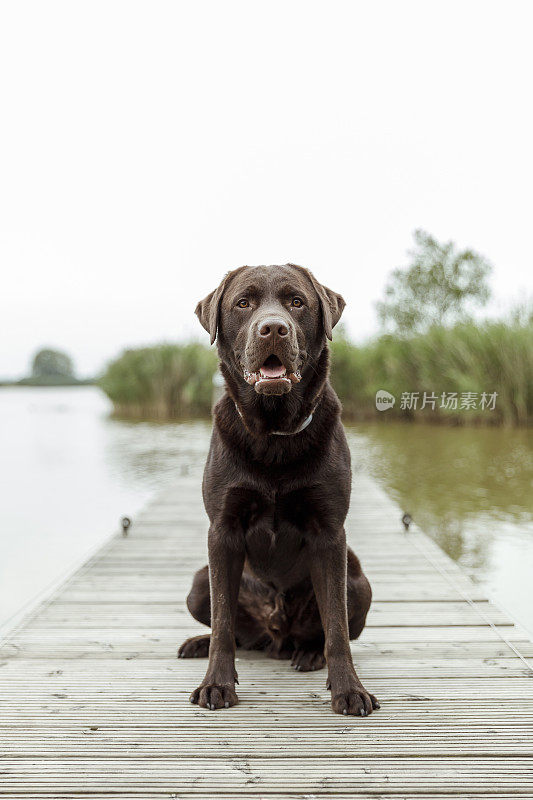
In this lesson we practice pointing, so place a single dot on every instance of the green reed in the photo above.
(488, 357)
(167, 381)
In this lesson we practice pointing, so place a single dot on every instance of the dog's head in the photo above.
(271, 323)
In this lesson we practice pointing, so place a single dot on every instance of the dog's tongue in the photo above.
(273, 368)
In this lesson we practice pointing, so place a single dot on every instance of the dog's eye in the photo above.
(297, 302)
(243, 303)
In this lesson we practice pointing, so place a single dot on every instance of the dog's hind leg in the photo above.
(359, 595)
(196, 647)
(306, 629)
(199, 605)
(249, 633)
(309, 656)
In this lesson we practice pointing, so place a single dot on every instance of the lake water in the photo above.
(471, 490)
(69, 472)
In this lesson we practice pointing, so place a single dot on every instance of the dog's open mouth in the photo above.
(272, 377)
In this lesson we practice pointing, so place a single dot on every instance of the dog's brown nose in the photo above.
(273, 326)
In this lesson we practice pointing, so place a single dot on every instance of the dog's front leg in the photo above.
(226, 560)
(328, 573)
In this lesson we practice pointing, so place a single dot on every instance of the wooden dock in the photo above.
(94, 703)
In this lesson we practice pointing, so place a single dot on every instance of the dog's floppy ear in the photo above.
(331, 304)
(332, 307)
(208, 309)
(207, 312)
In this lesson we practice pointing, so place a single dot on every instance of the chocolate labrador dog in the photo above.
(276, 489)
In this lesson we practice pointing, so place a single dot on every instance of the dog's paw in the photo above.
(214, 695)
(197, 647)
(281, 653)
(355, 701)
(308, 660)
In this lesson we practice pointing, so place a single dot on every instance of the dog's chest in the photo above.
(275, 540)
(276, 526)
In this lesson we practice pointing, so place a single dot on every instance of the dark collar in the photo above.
(299, 429)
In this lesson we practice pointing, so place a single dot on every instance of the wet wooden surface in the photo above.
(94, 703)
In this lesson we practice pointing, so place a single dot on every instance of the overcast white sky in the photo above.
(145, 148)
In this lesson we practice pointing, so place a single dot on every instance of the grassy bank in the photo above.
(163, 382)
(487, 358)
(53, 380)
(172, 381)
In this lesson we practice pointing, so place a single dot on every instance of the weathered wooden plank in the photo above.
(143, 615)
(153, 592)
(165, 638)
(153, 650)
(259, 709)
(416, 774)
(132, 671)
(163, 793)
(216, 743)
(277, 689)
